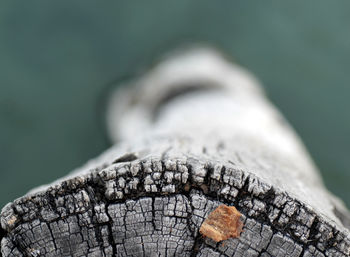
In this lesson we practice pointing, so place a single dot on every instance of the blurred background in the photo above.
(58, 59)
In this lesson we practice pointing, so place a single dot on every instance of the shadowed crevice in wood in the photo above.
(127, 158)
(181, 90)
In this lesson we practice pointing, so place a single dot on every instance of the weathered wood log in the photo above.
(193, 133)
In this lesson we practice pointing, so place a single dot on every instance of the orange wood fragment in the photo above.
(222, 223)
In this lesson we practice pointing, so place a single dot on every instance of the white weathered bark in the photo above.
(194, 132)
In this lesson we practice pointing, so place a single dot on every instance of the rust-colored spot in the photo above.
(187, 187)
(12, 220)
(222, 223)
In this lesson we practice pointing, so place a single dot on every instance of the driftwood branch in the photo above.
(193, 133)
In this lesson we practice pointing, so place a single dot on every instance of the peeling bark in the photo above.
(194, 133)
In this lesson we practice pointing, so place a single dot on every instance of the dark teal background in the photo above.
(57, 58)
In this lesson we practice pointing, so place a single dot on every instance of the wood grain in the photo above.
(178, 156)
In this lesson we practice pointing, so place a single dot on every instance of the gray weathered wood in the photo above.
(194, 132)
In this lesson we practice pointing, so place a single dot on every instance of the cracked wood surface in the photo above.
(200, 134)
